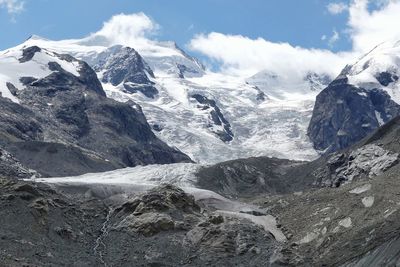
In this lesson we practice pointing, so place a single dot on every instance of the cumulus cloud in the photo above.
(366, 28)
(238, 54)
(244, 56)
(369, 28)
(132, 30)
(336, 8)
(12, 6)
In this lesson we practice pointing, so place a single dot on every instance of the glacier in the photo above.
(267, 115)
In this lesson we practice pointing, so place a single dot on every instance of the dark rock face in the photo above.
(385, 78)
(261, 96)
(29, 53)
(344, 114)
(12, 88)
(55, 159)
(216, 117)
(67, 116)
(125, 65)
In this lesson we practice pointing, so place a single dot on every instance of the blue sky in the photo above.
(301, 23)
(290, 37)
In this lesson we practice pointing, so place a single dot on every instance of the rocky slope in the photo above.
(362, 98)
(57, 119)
(340, 210)
(163, 227)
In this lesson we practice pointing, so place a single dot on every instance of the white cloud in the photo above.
(336, 8)
(132, 30)
(366, 28)
(369, 28)
(245, 56)
(12, 6)
(334, 38)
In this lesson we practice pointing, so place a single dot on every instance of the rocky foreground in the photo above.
(163, 227)
(355, 224)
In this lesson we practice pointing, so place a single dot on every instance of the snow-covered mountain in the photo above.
(55, 118)
(210, 116)
(363, 97)
(379, 69)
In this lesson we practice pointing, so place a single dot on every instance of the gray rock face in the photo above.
(69, 122)
(60, 232)
(156, 211)
(344, 114)
(10, 167)
(247, 177)
(217, 119)
(123, 65)
(195, 236)
(365, 162)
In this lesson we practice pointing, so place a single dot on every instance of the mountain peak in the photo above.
(37, 37)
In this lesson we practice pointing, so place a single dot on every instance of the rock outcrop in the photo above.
(361, 99)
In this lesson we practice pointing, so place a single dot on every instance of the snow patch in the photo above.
(346, 223)
(361, 189)
(368, 201)
(379, 118)
(268, 222)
